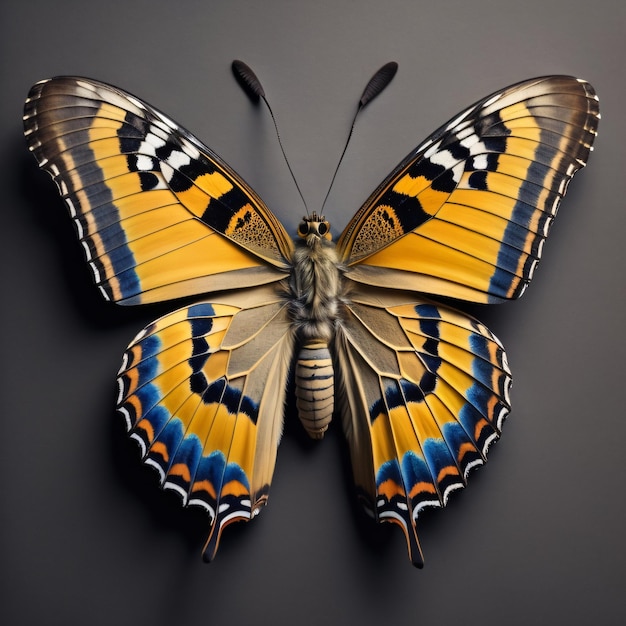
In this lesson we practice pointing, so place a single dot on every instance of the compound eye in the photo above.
(303, 229)
(322, 228)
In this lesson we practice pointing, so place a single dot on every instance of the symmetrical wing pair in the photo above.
(421, 389)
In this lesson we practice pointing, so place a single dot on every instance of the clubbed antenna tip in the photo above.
(248, 80)
(378, 82)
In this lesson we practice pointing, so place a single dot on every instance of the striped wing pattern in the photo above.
(465, 215)
(160, 215)
(423, 391)
(202, 391)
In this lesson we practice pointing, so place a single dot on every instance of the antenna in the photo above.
(252, 86)
(377, 83)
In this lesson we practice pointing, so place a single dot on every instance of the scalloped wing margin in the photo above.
(423, 391)
(466, 214)
(159, 214)
(202, 392)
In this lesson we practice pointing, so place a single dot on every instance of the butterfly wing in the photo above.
(422, 391)
(159, 214)
(202, 391)
(465, 215)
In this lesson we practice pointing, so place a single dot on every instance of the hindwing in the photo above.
(202, 391)
(422, 392)
(159, 214)
(466, 213)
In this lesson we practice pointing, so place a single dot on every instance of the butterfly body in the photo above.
(421, 389)
(316, 292)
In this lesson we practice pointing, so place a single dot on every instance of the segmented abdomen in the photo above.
(315, 388)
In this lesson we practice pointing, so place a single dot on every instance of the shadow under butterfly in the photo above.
(420, 388)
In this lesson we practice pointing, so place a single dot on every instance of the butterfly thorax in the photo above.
(316, 289)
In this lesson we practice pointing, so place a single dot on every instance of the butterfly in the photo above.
(420, 388)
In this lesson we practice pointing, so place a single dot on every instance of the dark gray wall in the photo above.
(85, 535)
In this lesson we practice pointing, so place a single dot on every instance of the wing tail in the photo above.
(424, 391)
(202, 392)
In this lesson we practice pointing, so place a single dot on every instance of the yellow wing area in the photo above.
(160, 216)
(202, 391)
(423, 392)
(466, 213)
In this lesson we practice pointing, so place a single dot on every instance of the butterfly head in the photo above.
(315, 226)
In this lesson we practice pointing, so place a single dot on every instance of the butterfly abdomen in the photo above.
(315, 389)
(315, 290)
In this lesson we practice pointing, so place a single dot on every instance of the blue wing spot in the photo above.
(148, 369)
(201, 320)
(201, 310)
(414, 469)
(189, 452)
(427, 311)
(437, 455)
(215, 470)
(211, 394)
(479, 345)
(393, 394)
(479, 397)
(211, 469)
(199, 384)
(455, 436)
(172, 434)
(158, 416)
(390, 470)
(123, 262)
(234, 472)
(412, 392)
(150, 346)
(148, 395)
(249, 408)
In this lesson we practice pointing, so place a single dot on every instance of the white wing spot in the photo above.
(501, 417)
(480, 162)
(177, 159)
(540, 249)
(204, 505)
(444, 158)
(471, 466)
(449, 490)
(126, 415)
(154, 464)
(145, 163)
(493, 437)
(142, 446)
(178, 489)
(422, 505)
(432, 150)
(87, 250)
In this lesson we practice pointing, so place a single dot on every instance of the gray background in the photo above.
(86, 537)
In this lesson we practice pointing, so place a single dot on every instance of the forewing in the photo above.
(465, 215)
(202, 391)
(423, 391)
(159, 214)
